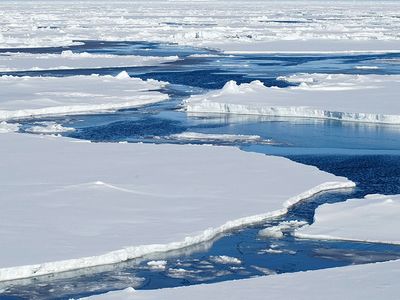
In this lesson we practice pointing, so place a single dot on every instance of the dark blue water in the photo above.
(368, 154)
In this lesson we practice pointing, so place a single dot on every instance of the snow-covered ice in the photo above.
(229, 25)
(370, 281)
(22, 97)
(11, 62)
(362, 98)
(374, 218)
(73, 204)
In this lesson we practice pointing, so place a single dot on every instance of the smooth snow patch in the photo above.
(361, 98)
(95, 209)
(372, 219)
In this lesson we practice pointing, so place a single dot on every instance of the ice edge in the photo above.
(20, 272)
(289, 111)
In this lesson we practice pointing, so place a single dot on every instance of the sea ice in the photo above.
(361, 98)
(22, 97)
(374, 218)
(11, 62)
(77, 204)
(370, 281)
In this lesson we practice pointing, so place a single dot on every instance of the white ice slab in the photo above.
(22, 97)
(362, 98)
(11, 62)
(371, 281)
(67, 204)
(374, 218)
(229, 25)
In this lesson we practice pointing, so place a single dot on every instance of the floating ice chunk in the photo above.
(197, 136)
(157, 264)
(278, 230)
(225, 260)
(366, 67)
(9, 127)
(48, 127)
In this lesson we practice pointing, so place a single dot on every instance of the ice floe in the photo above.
(11, 62)
(370, 281)
(22, 97)
(80, 204)
(374, 218)
(361, 98)
(225, 260)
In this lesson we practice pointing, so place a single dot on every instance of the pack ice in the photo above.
(70, 204)
(361, 98)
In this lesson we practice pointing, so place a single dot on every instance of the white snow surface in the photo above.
(10, 62)
(370, 281)
(68, 204)
(361, 98)
(22, 97)
(374, 219)
(230, 25)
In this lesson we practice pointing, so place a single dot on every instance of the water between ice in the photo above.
(367, 154)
